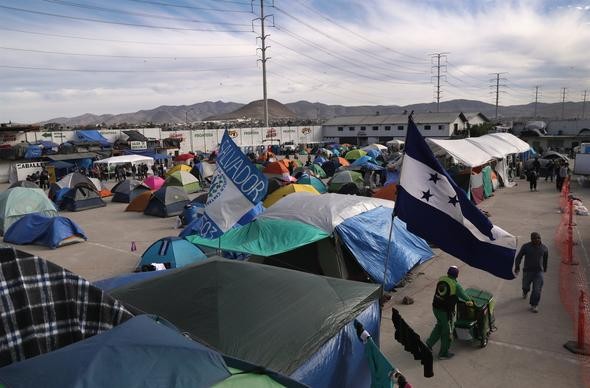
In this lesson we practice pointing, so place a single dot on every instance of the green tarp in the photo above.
(269, 316)
(264, 237)
(488, 189)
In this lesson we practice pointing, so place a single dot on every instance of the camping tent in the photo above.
(75, 178)
(126, 191)
(91, 136)
(343, 177)
(18, 201)
(263, 315)
(286, 190)
(140, 202)
(176, 251)
(362, 225)
(184, 180)
(38, 229)
(143, 351)
(80, 198)
(168, 201)
(154, 182)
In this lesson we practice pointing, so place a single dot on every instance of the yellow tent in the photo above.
(179, 167)
(286, 190)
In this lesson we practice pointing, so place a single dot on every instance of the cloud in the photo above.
(353, 52)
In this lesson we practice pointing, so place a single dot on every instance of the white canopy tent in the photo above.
(465, 152)
(125, 159)
(520, 145)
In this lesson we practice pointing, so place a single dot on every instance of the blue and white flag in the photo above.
(436, 209)
(237, 187)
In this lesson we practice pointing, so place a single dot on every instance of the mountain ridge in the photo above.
(305, 110)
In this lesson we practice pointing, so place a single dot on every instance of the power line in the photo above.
(117, 71)
(335, 55)
(119, 56)
(119, 11)
(422, 61)
(345, 44)
(346, 70)
(497, 86)
(117, 23)
(163, 4)
(123, 41)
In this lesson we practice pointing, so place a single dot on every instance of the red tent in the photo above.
(184, 157)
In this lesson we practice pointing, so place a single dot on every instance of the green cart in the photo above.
(476, 322)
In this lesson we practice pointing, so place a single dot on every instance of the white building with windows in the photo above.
(364, 130)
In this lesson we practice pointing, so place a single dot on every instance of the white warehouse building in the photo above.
(364, 130)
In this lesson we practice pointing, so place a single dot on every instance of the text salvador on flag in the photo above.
(436, 209)
(236, 188)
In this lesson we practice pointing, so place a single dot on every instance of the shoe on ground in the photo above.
(534, 309)
(524, 295)
(447, 356)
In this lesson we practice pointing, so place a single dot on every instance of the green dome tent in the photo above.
(18, 201)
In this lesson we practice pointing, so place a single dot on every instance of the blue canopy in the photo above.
(91, 136)
(36, 228)
(366, 235)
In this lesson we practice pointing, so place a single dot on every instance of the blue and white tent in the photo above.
(176, 251)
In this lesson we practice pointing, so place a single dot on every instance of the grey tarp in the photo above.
(269, 316)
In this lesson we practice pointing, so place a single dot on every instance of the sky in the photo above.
(64, 58)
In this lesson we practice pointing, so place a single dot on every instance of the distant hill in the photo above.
(255, 111)
(160, 115)
(303, 110)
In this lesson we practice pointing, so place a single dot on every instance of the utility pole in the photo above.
(497, 86)
(563, 90)
(584, 105)
(263, 59)
(536, 99)
(438, 76)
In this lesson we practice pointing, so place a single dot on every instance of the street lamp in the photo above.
(190, 131)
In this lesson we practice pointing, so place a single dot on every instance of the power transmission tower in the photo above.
(498, 86)
(435, 58)
(536, 99)
(563, 90)
(584, 105)
(263, 47)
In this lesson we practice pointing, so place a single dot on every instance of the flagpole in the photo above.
(388, 254)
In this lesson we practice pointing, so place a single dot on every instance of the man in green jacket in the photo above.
(448, 292)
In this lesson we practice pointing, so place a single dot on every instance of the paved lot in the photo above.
(527, 348)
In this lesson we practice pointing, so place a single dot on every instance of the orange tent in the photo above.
(139, 203)
(275, 168)
(105, 193)
(343, 162)
(387, 192)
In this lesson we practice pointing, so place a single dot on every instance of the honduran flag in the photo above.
(236, 188)
(436, 209)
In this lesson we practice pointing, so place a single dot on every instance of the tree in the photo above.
(481, 129)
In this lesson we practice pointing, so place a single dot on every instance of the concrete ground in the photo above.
(526, 349)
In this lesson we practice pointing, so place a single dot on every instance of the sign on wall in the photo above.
(138, 145)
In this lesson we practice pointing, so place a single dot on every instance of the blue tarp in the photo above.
(144, 351)
(366, 235)
(91, 136)
(38, 229)
(341, 362)
(33, 152)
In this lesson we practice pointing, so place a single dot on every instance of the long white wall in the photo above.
(192, 140)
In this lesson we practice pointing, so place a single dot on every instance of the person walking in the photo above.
(533, 176)
(562, 175)
(535, 255)
(447, 294)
